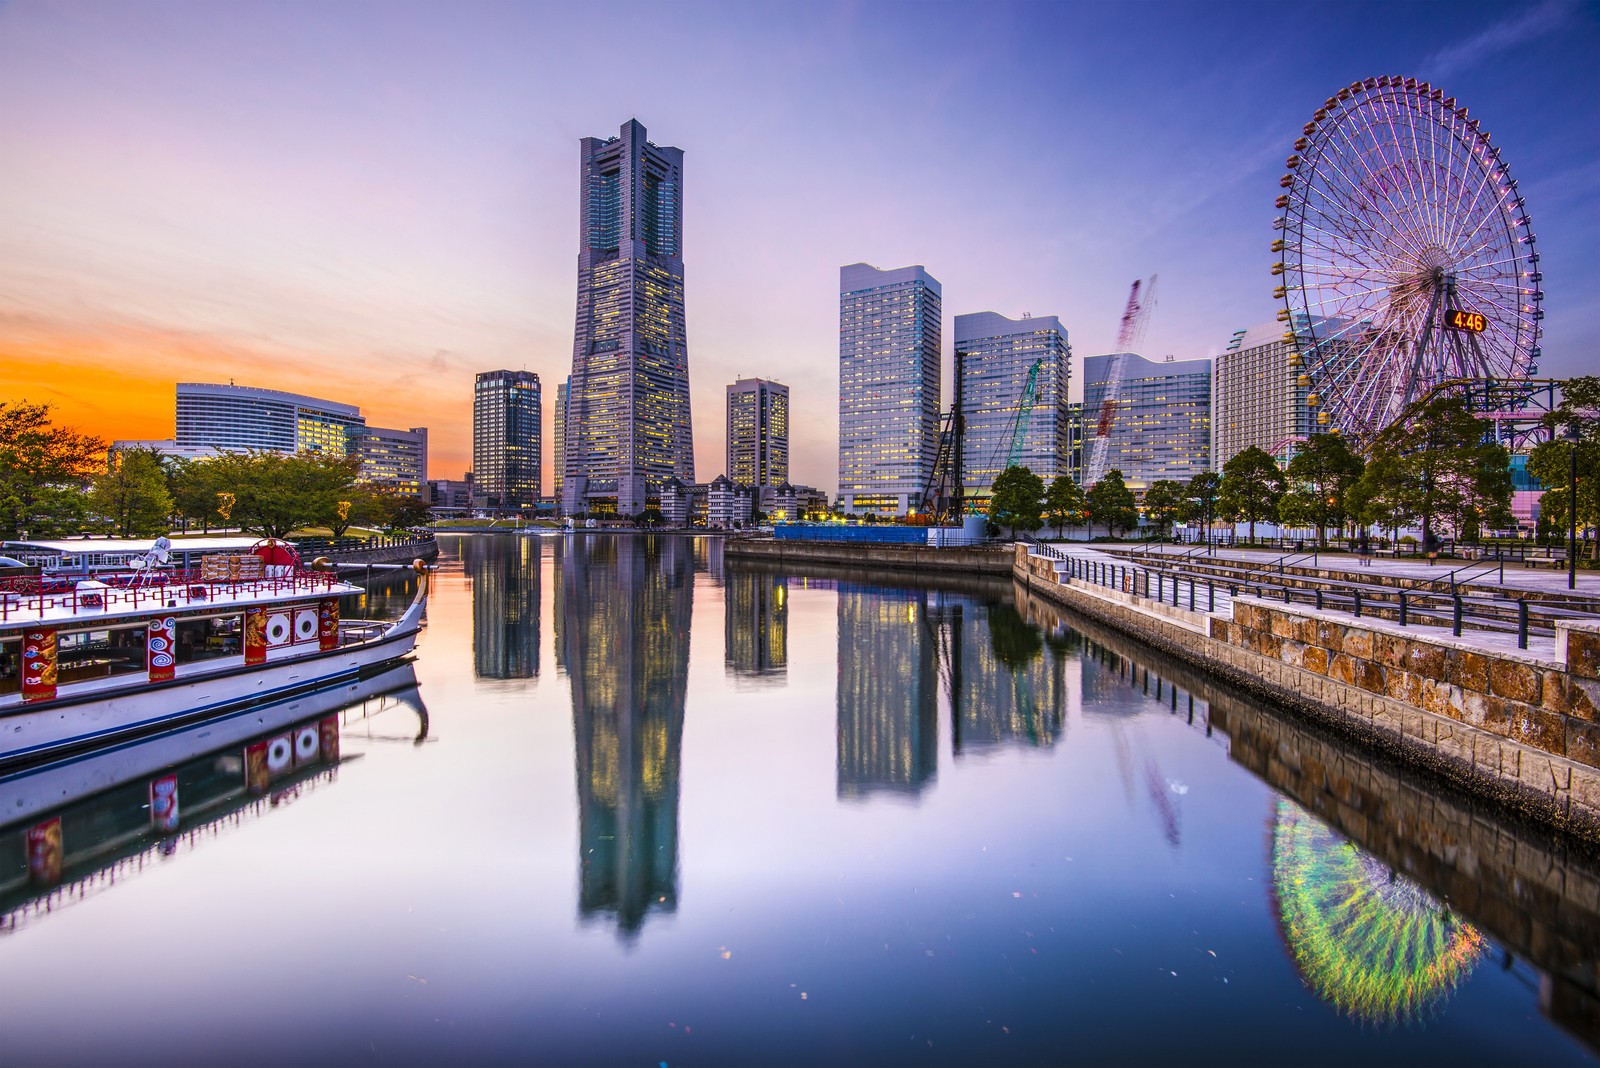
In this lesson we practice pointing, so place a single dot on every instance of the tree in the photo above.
(1111, 502)
(1381, 496)
(1204, 491)
(1065, 504)
(1319, 479)
(43, 469)
(1251, 486)
(1551, 461)
(1443, 471)
(193, 489)
(273, 494)
(1166, 503)
(132, 494)
(1017, 500)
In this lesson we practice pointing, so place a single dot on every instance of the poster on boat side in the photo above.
(159, 651)
(39, 664)
(44, 852)
(328, 623)
(164, 803)
(255, 635)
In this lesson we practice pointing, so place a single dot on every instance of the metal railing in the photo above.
(168, 589)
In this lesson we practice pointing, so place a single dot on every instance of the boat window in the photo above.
(209, 638)
(95, 654)
(10, 661)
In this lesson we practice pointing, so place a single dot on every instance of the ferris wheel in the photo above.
(1407, 255)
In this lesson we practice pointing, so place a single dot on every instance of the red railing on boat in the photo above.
(142, 591)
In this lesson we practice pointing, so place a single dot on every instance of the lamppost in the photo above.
(1572, 507)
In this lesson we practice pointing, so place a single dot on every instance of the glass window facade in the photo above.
(758, 432)
(1160, 425)
(995, 358)
(626, 420)
(890, 331)
(228, 417)
(507, 444)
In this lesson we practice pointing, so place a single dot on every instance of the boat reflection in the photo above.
(624, 633)
(80, 826)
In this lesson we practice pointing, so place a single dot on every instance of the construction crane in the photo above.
(1130, 335)
(1019, 425)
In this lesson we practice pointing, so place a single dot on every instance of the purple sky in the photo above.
(372, 202)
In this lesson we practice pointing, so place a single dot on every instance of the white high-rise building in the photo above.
(889, 339)
(996, 360)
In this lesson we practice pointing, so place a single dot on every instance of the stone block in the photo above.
(1308, 631)
(1315, 658)
(1583, 653)
(1472, 671)
(1291, 652)
(1342, 669)
(1583, 699)
(1427, 659)
(1554, 690)
(1519, 682)
(1266, 644)
(1370, 676)
(1221, 630)
(1388, 650)
(1283, 626)
(1583, 742)
(1545, 731)
(1357, 643)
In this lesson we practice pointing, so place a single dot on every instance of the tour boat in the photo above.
(129, 653)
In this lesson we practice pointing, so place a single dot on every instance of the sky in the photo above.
(373, 202)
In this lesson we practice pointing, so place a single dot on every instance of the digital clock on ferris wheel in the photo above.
(1470, 321)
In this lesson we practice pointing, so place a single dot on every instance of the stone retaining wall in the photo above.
(1544, 784)
(872, 556)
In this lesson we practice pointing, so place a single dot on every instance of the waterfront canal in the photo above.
(640, 808)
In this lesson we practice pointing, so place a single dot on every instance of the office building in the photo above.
(507, 450)
(397, 459)
(627, 426)
(1160, 424)
(558, 434)
(213, 417)
(889, 343)
(1260, 395)
(758, 432)
(1011, 382)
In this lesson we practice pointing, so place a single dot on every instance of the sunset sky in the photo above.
(371, 202)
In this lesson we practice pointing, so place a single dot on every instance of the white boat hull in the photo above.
(64, 726)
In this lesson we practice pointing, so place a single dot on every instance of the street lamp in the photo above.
(1572, 507)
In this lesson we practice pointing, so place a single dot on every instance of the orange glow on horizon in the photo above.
(118, 383)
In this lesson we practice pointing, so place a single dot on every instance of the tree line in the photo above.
(1432, 467)
(56, 481)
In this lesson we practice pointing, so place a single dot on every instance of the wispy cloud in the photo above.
(1535, 22)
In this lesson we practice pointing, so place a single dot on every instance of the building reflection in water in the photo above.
(756, 627)
(504, 572)
(1368, 940)
(626, 606)
(888, 730)
(1006, 688)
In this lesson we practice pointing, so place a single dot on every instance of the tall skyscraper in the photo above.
(996, 360)
(1259, 395)
(507, 446)
(758, 432)
(558, 427)
(889, 337)
(505, 578)
(1160, 426)
(628, 426)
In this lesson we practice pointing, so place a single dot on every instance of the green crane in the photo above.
(1019, 427)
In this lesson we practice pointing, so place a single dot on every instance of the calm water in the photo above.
(637, 807)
